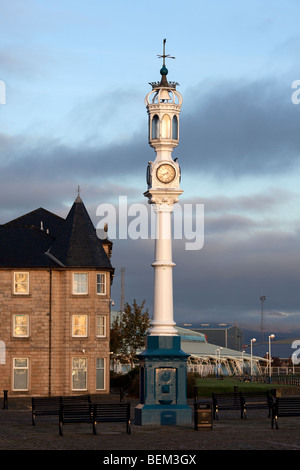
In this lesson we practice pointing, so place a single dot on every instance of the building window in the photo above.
(20, 374)
(79, 373)
(101, 325)
(21, 326)
(21, 283)
(100, 373)
(79, 325)
(101, 284)
(80, 283)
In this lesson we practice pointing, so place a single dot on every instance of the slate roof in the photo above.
(43, 239)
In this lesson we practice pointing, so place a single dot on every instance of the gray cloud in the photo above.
(237, 128)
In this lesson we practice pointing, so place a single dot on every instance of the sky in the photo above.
(75, 75)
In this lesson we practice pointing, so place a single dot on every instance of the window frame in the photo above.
(15, 335)
(100, 326)
(101, 370)
(79, 284)
(74, 370)
(25, 282)
(25, 368)
(78, 325)
(101, 283)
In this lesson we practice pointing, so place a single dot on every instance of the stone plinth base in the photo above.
(168, 415)
(163, 386)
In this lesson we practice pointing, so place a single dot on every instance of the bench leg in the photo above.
(128, 427)
(60, 428)
(95, 427)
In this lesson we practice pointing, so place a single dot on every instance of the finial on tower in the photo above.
(164, 71)
(78, 199)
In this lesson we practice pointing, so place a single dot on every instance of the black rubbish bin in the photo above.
(203, 417)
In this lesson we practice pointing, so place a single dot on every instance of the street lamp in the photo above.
(270, 358)
(252, 341)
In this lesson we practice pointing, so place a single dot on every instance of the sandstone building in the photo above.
(55, 281)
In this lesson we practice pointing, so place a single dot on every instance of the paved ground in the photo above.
(229, 433)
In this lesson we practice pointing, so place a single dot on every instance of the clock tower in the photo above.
(163, 363)
(163, 104)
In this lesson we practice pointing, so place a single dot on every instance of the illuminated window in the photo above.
(21, 326)
(79, 325)
(21, 283)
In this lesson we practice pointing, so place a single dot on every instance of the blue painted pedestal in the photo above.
(163, 384)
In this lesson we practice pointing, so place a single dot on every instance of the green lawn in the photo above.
(207, 386)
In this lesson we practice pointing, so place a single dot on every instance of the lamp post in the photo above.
(270, 358)
(220, 360)
(216, 354)
(243, 363)
(252, 341)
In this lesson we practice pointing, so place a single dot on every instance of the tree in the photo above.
(128, 331)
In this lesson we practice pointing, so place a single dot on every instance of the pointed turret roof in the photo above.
(78, 244)
(43, 239)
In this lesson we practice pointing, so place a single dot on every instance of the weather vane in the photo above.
(164, 71)
(164, 55)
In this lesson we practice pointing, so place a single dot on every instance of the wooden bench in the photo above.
(50, 405)
(44, 406)
(256, 401)
(75, 412)
(70, 399)
(226, 401)
(112, 413)
(285, 406)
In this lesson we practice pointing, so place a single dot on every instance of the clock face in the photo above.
(165, 173)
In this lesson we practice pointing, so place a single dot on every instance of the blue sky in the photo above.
(76, 74)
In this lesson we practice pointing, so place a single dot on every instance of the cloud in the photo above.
(239, 128)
